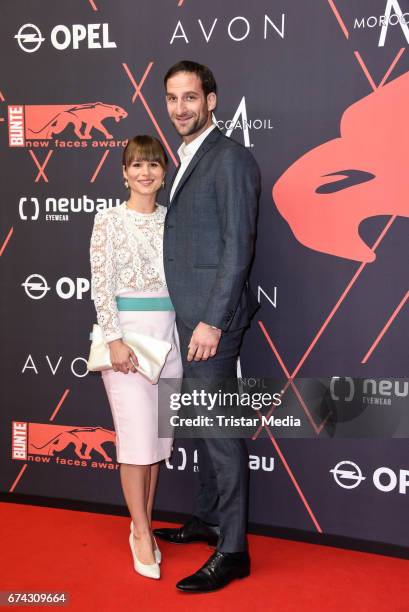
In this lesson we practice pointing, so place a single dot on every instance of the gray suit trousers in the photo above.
(223, 463)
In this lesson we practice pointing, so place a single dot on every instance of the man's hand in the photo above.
(204, 342)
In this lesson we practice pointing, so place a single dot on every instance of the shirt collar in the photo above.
(187, 151)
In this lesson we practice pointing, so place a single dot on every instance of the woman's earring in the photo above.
(126, 184)
(163, 184)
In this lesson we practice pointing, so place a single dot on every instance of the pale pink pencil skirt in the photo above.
(133, 399)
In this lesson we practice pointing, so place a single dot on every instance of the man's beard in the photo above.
(196, 127)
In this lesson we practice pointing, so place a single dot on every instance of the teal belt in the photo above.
(144, 303)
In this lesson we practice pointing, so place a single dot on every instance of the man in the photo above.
(208, 247)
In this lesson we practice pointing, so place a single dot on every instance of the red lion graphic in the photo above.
(329, 191)
(54, 119)
(92, 437)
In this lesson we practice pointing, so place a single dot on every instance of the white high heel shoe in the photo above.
(157, 553)
(149, 570)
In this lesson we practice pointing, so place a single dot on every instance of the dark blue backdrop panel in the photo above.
(292, 76)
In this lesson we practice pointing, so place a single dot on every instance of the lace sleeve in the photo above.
(103, 277)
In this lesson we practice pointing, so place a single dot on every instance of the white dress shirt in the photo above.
(186, 152)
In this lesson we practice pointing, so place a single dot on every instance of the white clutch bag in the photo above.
(151, 353)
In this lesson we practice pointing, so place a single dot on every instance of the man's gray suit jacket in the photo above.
(209, 235)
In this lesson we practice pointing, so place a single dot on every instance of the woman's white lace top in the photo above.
(126, 253)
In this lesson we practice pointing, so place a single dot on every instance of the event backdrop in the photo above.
(318, 91)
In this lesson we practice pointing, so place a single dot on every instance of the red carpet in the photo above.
(45, 549)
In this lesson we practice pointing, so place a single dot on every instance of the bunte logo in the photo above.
(29, 123)
(63, 444)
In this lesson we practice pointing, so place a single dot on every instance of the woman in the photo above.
(130, 294)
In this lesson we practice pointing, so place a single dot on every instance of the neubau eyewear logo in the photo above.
(59, 209)
(180, 461)
(393, 16)
(42, 125)
(369, 390)
(62, 37)
(63, 445)
(241, 121)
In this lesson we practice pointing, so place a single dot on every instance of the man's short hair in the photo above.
(203, 72)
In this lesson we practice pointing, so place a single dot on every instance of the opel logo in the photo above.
(347, 474)
(29, 38)
(35, 286)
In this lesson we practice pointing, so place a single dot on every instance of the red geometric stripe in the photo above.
(134, 83)
(361, 62)
(294, 481)
(341, 299)
(60, 403)
(40, 167)
(365, 70)
(386, 327)
(137, 93)
(339, 18)
(13, 486)
(98, 168)
(291, 382)
(6, 241)
(391, 67)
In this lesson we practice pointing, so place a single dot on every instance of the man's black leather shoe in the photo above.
(194, 530)
(217, 572)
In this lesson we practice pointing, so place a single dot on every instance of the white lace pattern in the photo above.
(126, 253)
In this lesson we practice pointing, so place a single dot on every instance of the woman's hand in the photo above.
(123, 358)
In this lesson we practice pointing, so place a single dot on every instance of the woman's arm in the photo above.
(102, 259)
